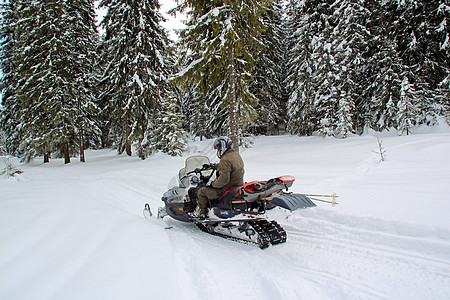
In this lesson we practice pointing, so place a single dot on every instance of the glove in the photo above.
(208, 166)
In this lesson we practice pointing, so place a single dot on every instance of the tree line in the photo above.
(329, 67)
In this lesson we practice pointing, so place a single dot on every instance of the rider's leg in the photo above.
(204, 194)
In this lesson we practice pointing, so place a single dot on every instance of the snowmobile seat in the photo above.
(224, 201)
(254, 186)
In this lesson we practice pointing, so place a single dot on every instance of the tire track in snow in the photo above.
(198, 256)
(367, 260)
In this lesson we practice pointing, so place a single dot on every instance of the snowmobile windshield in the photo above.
(192, 163)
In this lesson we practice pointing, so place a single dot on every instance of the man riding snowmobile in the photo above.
(229, 172)
(236, 210)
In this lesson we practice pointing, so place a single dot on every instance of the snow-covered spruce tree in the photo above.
(422, 37)
(382, 76)
(165, 131)
(223, 35)
(325, 66)
(385, 86)
(9, 106)
(135, 79)
(195, 110)
(303, 25)
(84, 39)
(268, 84)
(326, 72)
(377, 108)
(407, 107)
(53, 105)
(442, 31)
(350, 43)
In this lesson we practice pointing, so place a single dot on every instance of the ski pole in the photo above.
(332, 202)
(328, 196)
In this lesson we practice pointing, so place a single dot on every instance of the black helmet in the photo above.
(222, 144)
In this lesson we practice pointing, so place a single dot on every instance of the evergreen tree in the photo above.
(377, 107)
(135, 79)
(422, 36)
(223, 35)
(326, 73)
(407, 108)
(384, 69)
(83, 37)
(53, 50)
(442, 33)
(171, 139)
(304, 24)
(9, 118)
(41, 59)
(268, 85)
(350, 43)
(197, 109)
(196, 113)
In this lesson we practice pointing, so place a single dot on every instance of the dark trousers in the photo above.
(206, 193)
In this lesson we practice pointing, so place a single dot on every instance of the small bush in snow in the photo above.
(10, 170)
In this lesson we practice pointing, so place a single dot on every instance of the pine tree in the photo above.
(303, 25)
(42, 77)
(223, 34)
(53, 51)
(9, 118)
(83, 37)
(196, 113)
(268, 85)
(442, 33)
(326, 74)
(422, 36)
(407, 107)
(171, 137)
(350, 43)
(135, 79)
(384, 86)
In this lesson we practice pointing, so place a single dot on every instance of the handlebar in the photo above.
(205, 167)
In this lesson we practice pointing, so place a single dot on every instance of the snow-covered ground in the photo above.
(77, 231)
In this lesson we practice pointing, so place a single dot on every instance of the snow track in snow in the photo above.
(379, 264)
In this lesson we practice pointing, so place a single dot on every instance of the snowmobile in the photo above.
(240, 213)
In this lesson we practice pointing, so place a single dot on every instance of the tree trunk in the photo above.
(128, 148)
(82, 158)
(46, 154)
(233, 107)
(66, 153)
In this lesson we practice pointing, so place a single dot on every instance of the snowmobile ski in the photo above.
(148, 215)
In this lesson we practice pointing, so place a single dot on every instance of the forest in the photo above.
(239, 68)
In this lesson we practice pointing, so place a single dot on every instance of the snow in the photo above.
(77, 231)
(172, 23)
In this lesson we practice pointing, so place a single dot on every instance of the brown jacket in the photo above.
(230, 171)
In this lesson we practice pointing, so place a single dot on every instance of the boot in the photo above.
(197, 213)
